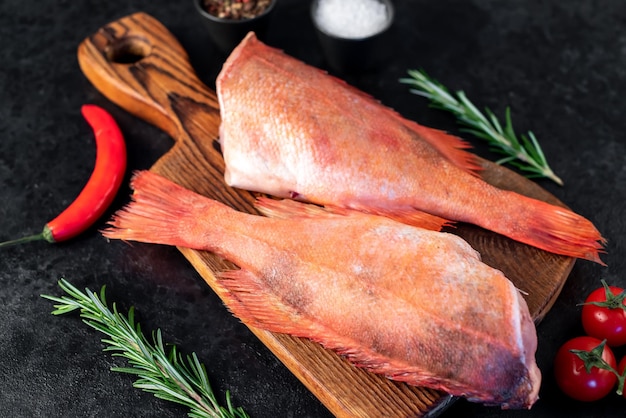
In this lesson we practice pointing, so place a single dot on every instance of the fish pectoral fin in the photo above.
(249, 299)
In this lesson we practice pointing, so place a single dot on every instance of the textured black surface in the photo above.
(559, 65)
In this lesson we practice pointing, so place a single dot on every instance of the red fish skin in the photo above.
(289, 129)
(415, 305)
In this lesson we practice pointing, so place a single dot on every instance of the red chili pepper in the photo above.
(101, 187)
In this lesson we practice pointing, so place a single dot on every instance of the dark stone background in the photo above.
(559, 65)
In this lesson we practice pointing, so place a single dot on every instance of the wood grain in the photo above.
(138, 64)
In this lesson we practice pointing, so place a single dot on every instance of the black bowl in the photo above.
(352, 55)
(227, 33)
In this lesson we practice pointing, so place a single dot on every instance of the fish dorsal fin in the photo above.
(452, 147)
(289, 209)
(413, 217)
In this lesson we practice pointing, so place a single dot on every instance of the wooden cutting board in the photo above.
(139, 65)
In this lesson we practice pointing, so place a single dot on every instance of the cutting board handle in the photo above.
(140, 66)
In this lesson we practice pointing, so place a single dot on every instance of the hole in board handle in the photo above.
(128, 50)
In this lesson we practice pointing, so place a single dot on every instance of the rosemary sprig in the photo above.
(523, 152)
(167, 376)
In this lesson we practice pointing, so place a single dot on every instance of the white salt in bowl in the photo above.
(353, 33)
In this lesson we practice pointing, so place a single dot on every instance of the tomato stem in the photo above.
(593, 358)
(612, 301)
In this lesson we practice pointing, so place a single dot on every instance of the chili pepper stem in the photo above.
(45, 235)
(100, 190)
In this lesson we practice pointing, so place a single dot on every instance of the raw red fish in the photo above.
(415, 305)
(291, 130)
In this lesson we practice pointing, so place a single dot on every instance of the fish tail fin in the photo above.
(286, 208)
(561, 231)
(452, 147)
(161, 212)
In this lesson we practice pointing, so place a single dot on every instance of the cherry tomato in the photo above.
(572, 376)
(604, 315)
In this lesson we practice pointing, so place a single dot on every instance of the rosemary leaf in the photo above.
(171, 377)
(523, 152)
